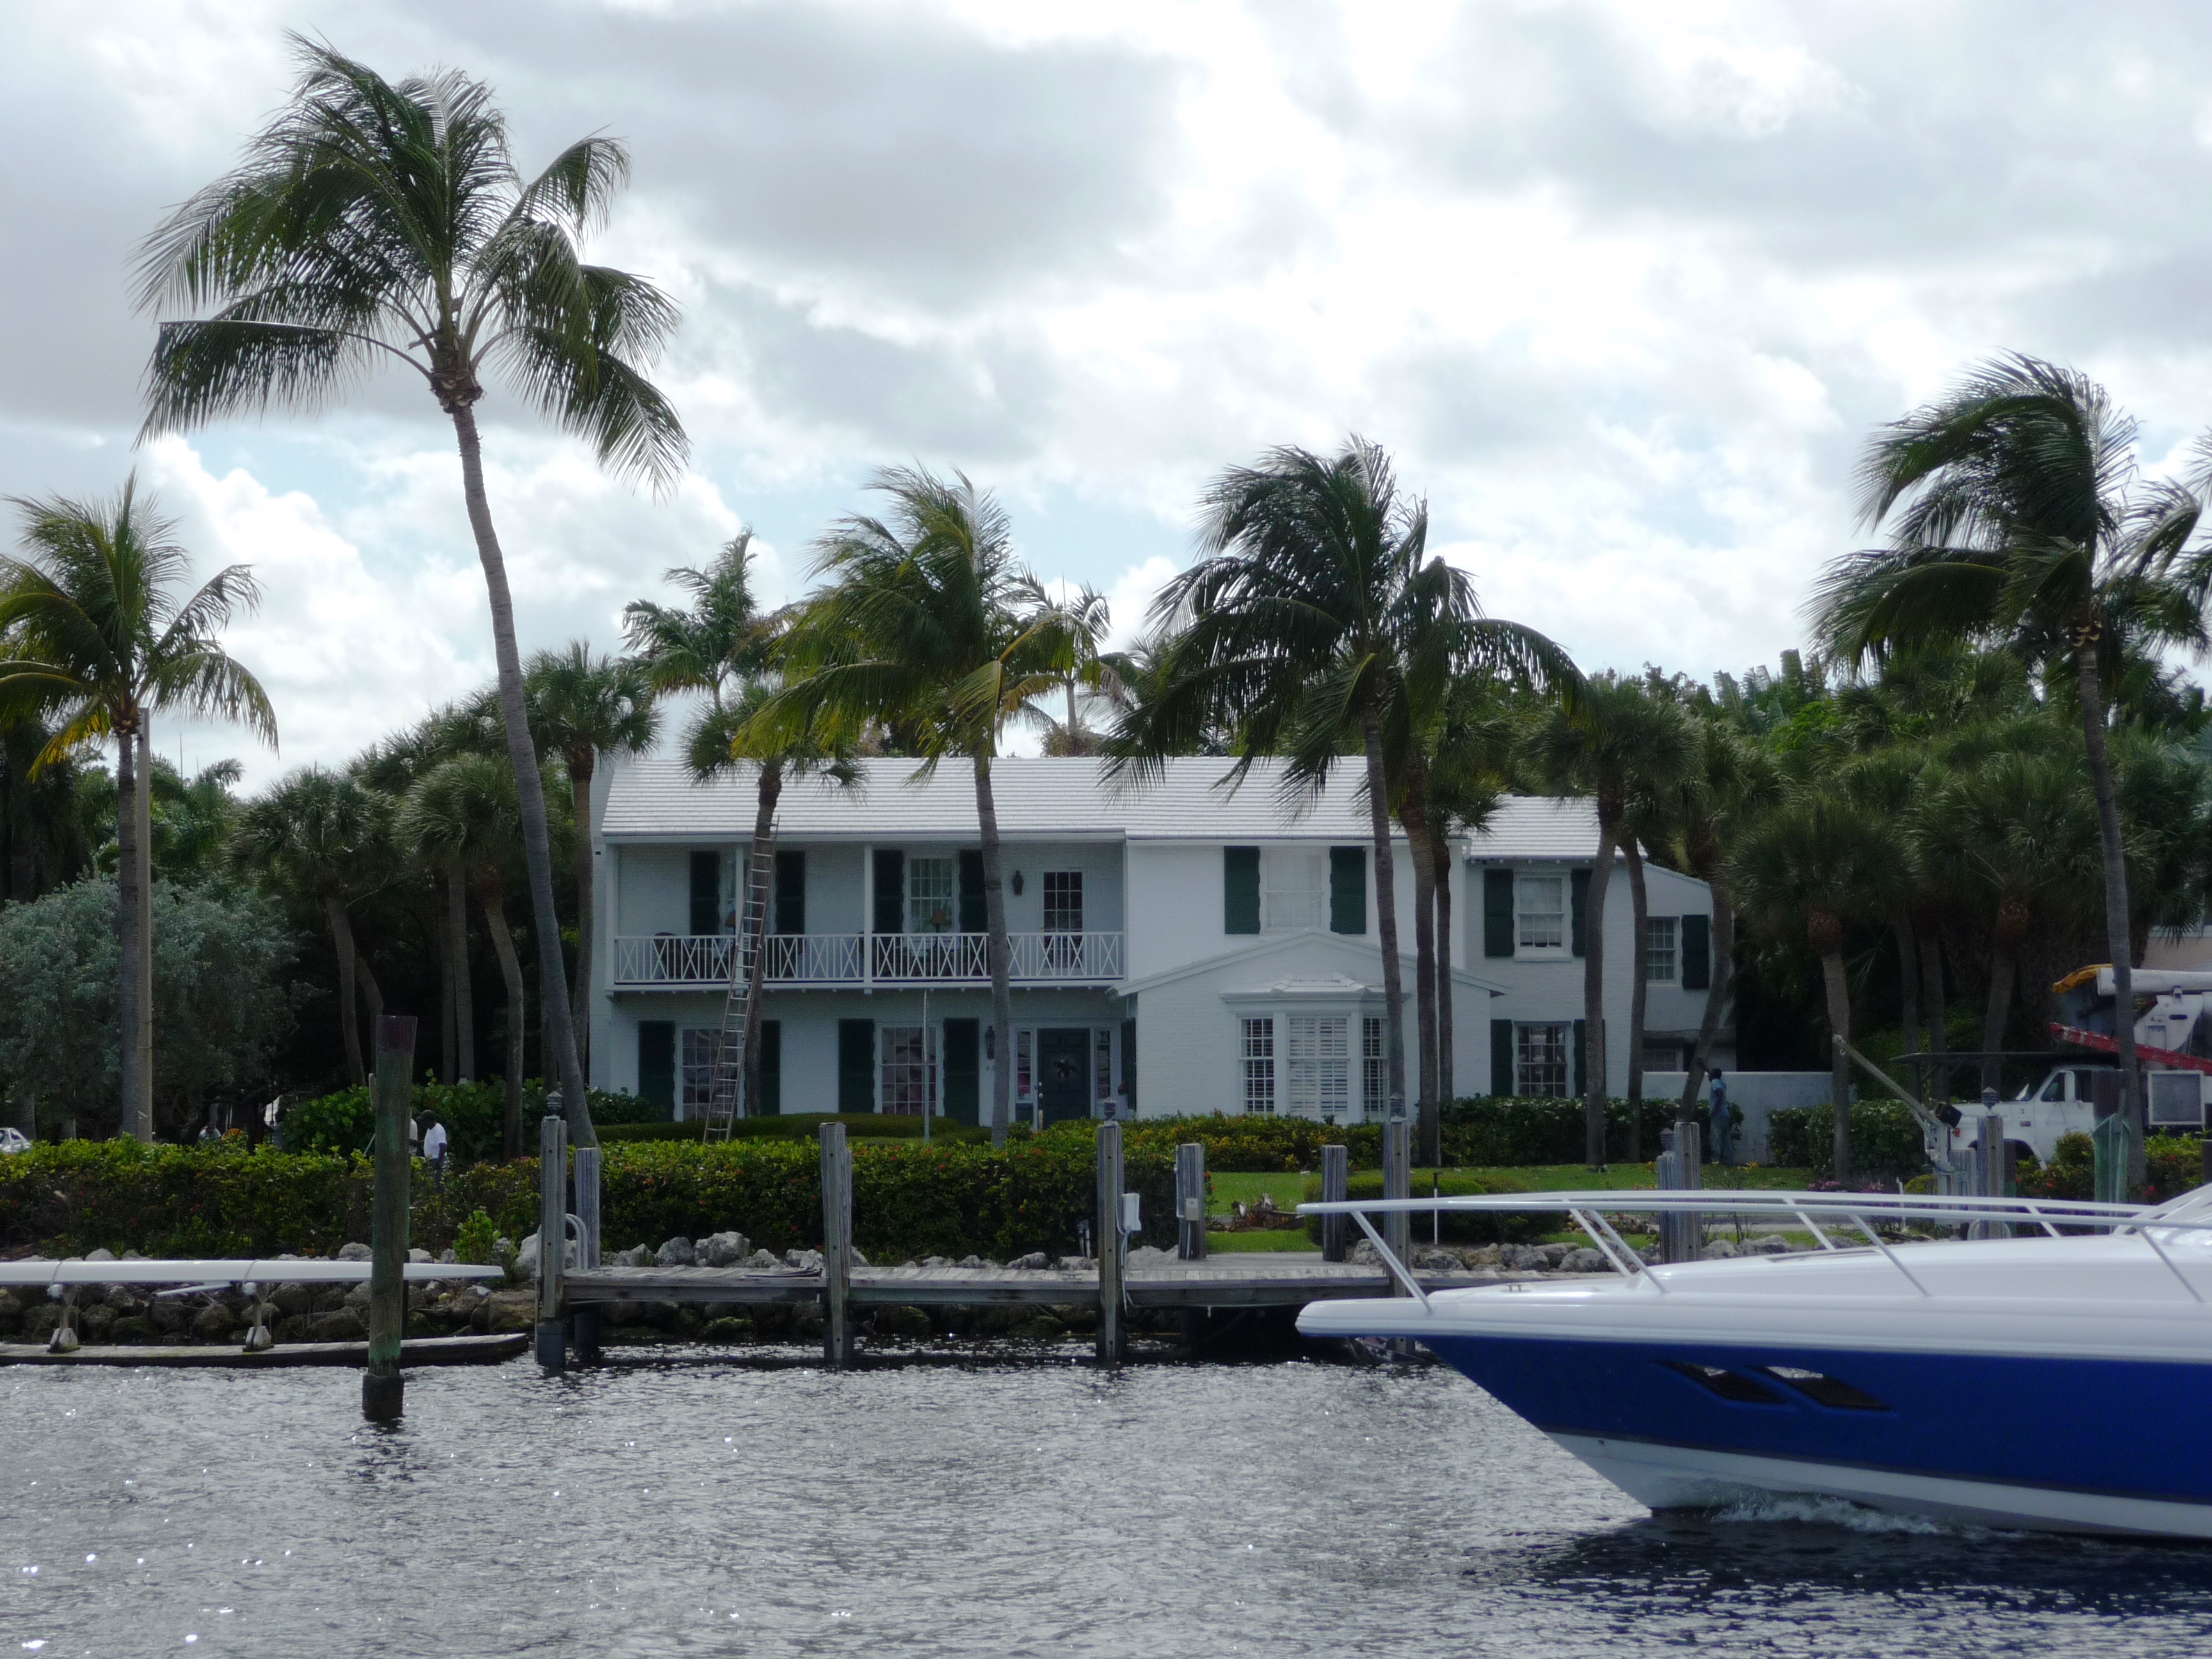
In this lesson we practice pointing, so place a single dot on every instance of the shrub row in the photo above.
(909, 1199)
(474, 1114)
(1488, 1132)
(2175, 1166)
(1886, 1141)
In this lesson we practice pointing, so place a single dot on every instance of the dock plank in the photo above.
(415, 1351)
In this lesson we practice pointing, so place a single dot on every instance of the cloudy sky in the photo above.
(1623, 286)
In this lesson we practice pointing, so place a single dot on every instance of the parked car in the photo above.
(14, 1140)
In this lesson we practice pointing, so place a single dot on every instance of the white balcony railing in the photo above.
(866, 959)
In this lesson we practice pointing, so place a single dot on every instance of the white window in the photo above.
(1294, 889)
(696, 1070)
(1024, 1065)
(1318, 1047)
(1659, 948)
(909, 1070)
(1259, 1058)
(1374, 1076)
(1540, 902)
(1539, 1058)
(1063, 900)
(930, 885)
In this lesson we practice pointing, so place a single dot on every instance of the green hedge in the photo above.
(2175, 1166)
(909, 1199)
(1886, 1141)
(1483, 1229)
(1486, 1132)
(474, 1114)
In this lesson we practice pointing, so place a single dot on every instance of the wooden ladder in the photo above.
(725, 1091)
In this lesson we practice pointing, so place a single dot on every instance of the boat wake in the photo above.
(1812, 1509)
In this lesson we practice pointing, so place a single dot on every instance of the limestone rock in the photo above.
(1719, 1249)
(507, 1311)
(39, 1323)
(805, 1323)
(1080, 1317)
(96, 1322)
(723, 1249)
(132, 1329)
(353, 1252)
(859, 1260)
(418, 1255)
(676, 1252)
(447, 1258)
(971, 1262)
(1149, 1255)
(344, 1326)
(356, 1295)
(100, 1255)
(728, 1328)
(1079, 1264)
(937, 1262)
(1030, 1263)
(1553, 1254)
(1522, 1258)
(121, 1298)
(1481, 1255)
(638, 1255)
(1769, 1244)
(809, 1261)
(1585, 1261)
(1434, 1258)
(213, 1322)
(763, 1259)
(1038, 1328)
(329, 1299)
(167, 1314)
(905, 1321)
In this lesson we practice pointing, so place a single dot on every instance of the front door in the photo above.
(1064, 1074)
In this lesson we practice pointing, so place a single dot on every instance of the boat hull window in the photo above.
(1825, 1390)
(1729, 1385)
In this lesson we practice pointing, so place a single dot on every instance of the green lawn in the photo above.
(1288, 1190)
(1288, 1238)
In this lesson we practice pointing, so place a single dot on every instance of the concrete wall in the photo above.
(1753, 1095)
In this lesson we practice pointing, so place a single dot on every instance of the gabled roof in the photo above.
(655, 799)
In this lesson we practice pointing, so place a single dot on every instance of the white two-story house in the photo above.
(1175, 948)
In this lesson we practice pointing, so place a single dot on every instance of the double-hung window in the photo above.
(1319, 1062)
(1259, 1059)
(931, 884)
(696, 1078)
(909, 1070)
(1539, 1057)
(1294, 891)
(1063, 900)
(1659, 959)
(1374, 1078)
(1540, 903)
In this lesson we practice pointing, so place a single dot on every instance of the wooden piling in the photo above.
(382, 1385)
(1190, 1202)
(585, 1320)
(1690, 1163)
(552, 1235)
(1335, 1188)
(836, 1247)
(1111, 1244)
(1397, 1182)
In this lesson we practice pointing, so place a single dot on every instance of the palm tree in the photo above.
(2017, 522)
(721, 639)
(586, 706)
(1613, 743)
(1087, 616)
(313, 832)
(931, 626)
(1805, 871)
(1469, 759)
(373, 222)
(462, 815)
(192, 817)
(94, 636)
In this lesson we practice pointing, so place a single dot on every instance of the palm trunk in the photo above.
(1839, 1066)
(2001, 975)
(510, 968)
(1386, 922)
(1593, 1095)
(1640, 910)
(448, 1033)
(457, 953)
(341, 925)
(137, 1104)
(994, 918)
(2119, 936)
(1931, 990)
(1413, 814)
(764, 855)
(581, 766)
(372, 994)
(1440, 861)
(145, 812)
(1717, 998)
(529, 786)
(1908, 978)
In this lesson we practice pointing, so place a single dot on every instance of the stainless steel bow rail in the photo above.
(2192, 1212)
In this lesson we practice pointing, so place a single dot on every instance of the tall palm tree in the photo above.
(1469, 756)
(721, 639)
(373, 222)
(2017, 522)
(1805, 871)
(1614, 742)
(463, 814)
(313, 833)
(586, 706)
(95, 636)
(1087, 616)
(931, 626)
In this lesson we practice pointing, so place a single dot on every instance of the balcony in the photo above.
(804, 960)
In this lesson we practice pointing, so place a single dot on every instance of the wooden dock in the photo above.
(415, 1351)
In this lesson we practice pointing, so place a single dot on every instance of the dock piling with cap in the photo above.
(1190, 1202)
(1113, 1242)
(585, 1321)
(552, 1232)
(382, 1385)
(836, 1247)
(1335, 1188)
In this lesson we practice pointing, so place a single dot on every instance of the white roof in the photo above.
(654, 798)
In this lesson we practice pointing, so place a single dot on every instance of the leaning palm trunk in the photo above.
(1594, 1096)
(510, 968)
(1386, 922)
(1640, 910)
(529, 785)
(1931, 997)
(2003, 973)
(994, 918)
(341, 926)
(372, 994)
(457, 953)
(131, 991)
(1413, 814)
(143, 806)
(771, 790)
(1441, 862)
(579, 1003)
(1828, 932)
(1908, 977)
(1723, 983)
(2119, 935)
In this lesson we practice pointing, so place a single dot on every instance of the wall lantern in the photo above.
(1017, 883)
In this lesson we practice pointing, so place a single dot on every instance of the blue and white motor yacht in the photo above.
(2050, 1381)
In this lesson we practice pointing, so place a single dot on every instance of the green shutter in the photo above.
(963, 1073)
(1497, 916)
(1240, 890)
(974, 917)
(771, 1085)
(706, 894)
(656, 1064)
(856, 1066)
(890, 892)
(791, 892)
(1501, 1055)
(1696, 953)
(1129, 1065)
(1347, 890)
(1581, 1064)
(1578, 882)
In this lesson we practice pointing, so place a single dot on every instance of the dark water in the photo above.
(1185, 1511)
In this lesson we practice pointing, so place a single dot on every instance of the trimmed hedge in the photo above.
(1886, 1142)
(909, 1199)
(474, 1114)
(2175, 1166)
(1483, 1229)
(1487, 1133)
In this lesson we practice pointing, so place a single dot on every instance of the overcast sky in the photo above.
(1623, 286)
